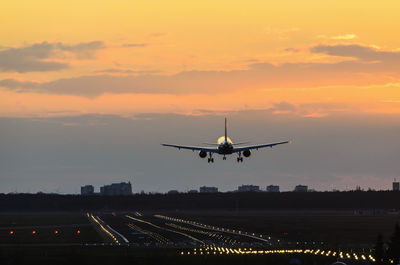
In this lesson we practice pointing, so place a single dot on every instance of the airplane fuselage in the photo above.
(225, 146)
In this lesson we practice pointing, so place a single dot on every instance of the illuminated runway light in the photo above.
(78, 231)
(33, 232)
(11, 232)
(56, 232)
(371, 258)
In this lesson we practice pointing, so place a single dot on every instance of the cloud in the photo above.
(370, 62)
(360, 52)
(35, 57)
(15, 84)
(283, 107)
(339, 37)
(127, 71)
(318, 109)
(129, 45)
(81, 47)
(29, 59)
(345, 37)
(82, 50)
(292, 50)
(258, 76)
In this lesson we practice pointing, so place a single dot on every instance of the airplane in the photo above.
(225, 146)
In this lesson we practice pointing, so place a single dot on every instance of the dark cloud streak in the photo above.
(131, 45)
(127, 71)
(37, 57)
(360, 52)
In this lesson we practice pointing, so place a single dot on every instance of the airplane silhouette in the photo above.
(225, 146)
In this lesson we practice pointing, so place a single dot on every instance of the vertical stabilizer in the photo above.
(226, 131)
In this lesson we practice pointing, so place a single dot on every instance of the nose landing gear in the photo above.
(224, 158)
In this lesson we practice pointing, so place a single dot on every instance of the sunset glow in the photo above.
(125, 57)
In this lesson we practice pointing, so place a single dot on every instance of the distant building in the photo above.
(173, 192)
(396, 186)
(273, 188)
(122, 188)
(205, 189)
(248, 188)
(193, 191)
(301, 188)
(87, 190)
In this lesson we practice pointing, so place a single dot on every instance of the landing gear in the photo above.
(210, 159)
(224, 158)
(240, 158)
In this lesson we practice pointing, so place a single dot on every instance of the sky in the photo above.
(89, 89)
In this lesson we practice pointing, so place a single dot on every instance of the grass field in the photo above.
(40, 228)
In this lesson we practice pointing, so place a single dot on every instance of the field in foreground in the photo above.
(192, 237)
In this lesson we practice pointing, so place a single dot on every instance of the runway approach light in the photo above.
(11, 232)
(33, 232)
(78, 232)
(56, 232)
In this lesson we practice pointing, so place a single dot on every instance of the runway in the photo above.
(163, 231)
(192, 238)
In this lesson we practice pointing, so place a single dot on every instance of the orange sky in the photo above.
(125, 57)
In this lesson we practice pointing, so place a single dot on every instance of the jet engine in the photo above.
(246, 153)
(202, 154)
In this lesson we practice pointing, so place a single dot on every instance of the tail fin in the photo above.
(226, 131)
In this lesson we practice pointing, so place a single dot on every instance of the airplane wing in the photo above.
(193, 148)
(241, 149)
